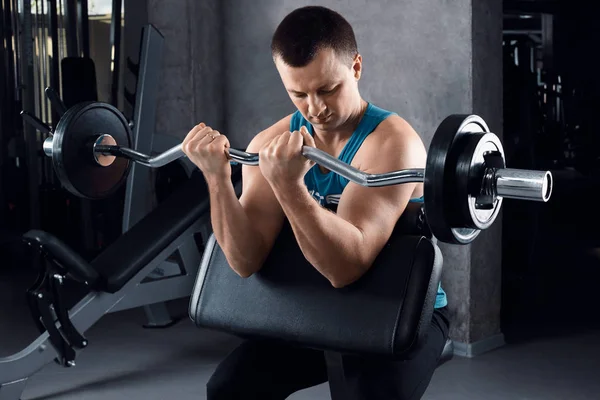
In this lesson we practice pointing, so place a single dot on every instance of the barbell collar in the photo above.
(522, 184)
(47, 146)
(103, 159)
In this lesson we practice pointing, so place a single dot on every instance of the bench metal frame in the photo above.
(16, 369)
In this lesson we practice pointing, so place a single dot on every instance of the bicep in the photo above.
(376, 210)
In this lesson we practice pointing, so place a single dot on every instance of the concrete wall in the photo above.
(486, 252)
(424, 60)
(191, 81)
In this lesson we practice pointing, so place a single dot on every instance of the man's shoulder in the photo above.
(395, 130)
(392, 137)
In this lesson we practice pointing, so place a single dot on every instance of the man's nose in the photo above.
(316, 107)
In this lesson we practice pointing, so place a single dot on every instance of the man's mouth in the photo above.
(322, 120)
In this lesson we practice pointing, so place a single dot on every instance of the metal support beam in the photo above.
(71, 28)
(54, 59)
(28, 104)
(83, 27)
(115, 46)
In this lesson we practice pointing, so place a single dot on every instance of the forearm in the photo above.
(241, 243)
(330, 243)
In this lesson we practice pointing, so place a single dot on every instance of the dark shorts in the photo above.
(271, 370)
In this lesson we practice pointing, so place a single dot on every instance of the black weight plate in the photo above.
(73, 157)
(440, 182)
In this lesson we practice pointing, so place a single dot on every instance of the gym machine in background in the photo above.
(60, 57)
(550, 105)
(56, 44)
(37, 35)
(76, 292)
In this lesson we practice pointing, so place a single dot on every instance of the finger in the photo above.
(192, 137)
(273, 143)
(210, 137)
(199, 141)
(206, 136)
(284, 138)
(220, 142)
(308, 139)
(192, 134)
(296, 141)
(216, 139)
(268, 147)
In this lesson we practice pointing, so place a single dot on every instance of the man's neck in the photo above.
(343, 132)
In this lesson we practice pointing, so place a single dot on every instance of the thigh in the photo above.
(373, 379)
(260, 369)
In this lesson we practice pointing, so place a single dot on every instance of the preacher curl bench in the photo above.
(386, 313)
(115, 280)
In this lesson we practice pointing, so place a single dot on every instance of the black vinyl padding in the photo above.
(145, 240)
(386, 312)
(71, 262)
(133, 250)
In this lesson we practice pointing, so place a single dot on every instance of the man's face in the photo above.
(326, 90)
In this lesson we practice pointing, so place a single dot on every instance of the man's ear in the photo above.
(357, 66)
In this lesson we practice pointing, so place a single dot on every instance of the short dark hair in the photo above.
(305, 31)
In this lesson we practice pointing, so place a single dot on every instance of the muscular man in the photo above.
(340, 226)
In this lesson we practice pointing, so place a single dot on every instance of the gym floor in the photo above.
(125, 361)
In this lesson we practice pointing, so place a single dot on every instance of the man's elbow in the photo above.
(348, 277)
(243, 273)
(339, 284)
(246, 271)
(245, 268)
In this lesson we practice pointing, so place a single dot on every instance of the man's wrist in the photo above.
(294, 198)
(217, 182)
(288, 189)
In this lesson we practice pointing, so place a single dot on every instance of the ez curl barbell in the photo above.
(465, 178)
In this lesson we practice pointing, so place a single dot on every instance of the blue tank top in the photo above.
(327, 188)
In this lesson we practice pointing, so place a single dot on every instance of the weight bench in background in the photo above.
(115, 278)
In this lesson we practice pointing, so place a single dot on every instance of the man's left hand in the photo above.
(281, 161)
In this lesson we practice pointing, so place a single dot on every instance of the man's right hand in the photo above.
(207, 149)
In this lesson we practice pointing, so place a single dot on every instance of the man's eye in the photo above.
(328, 91)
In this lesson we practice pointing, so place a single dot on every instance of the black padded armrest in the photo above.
(138, 246)
(62, 254)
(133, 250)
(385, 313)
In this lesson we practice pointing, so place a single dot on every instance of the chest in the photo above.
(336, 149)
